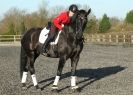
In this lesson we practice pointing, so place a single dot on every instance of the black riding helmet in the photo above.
(73, 8)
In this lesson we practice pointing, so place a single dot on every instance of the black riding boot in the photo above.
(45, 45)
(50, 38)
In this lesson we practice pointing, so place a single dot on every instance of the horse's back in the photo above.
(31, 38)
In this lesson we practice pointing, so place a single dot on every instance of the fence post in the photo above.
(131, 38)
(98, 38)
(110, 39)
(117, 38)
(124, 38)
(103, 37)
(92, 38)
(88, 38)
(0, 38)
(14, 38)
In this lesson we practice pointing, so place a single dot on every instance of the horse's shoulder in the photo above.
(39, 28)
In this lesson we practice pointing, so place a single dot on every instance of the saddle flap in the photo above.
(44, 35)
(56, 40)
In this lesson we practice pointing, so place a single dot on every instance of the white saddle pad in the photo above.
(44, 34)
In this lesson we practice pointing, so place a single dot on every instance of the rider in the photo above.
(58, 24)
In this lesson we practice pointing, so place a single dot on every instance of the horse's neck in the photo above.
(70, 34)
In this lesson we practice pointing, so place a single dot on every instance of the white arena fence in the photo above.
(100, 38)
(10, 38)
(123, 38)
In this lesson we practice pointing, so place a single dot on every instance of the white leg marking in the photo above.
(24, 76)
(56, 80)
(34, 79)
(73, 80)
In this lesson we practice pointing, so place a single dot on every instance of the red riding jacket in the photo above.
(63, 18)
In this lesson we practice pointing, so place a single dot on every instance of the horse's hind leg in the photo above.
(24, 75)
(23, 67)
(62, 61)
(31, 61)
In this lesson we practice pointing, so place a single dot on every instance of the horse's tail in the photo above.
(23, 61)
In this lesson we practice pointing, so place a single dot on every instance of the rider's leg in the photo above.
(45, 45)
(49, 39)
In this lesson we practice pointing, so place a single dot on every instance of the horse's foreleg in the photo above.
(74, 62)
(62, 61)
(31, 61)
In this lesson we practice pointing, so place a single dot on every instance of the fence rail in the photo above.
(89, 38)
(10, 38)
(123, 38)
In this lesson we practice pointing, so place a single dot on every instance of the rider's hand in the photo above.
(62, 25)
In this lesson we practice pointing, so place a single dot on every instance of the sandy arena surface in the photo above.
(102, 70)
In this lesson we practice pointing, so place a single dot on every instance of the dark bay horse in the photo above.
(70, 45)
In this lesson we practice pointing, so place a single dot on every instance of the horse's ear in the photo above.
(88, 12)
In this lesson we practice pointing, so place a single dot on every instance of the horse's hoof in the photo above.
(38, 88)
(44, 54)
(24, 86)
(75, 89)
(55, 89)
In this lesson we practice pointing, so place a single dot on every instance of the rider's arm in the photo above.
(58, 21)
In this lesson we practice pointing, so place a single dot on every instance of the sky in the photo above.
(113, 8)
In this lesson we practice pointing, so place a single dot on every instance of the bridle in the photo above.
(79, 27)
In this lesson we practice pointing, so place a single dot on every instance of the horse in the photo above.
(70, 45)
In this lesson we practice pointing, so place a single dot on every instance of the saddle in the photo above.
(52, 48)
(44, 34)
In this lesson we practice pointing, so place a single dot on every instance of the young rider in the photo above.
(58, 24)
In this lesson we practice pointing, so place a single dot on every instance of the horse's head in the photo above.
(80, 22)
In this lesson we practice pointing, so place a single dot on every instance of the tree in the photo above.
(129, 17)
(115, 21)
(92, 26)
(11, 21)
(22, 27)
(42, 14)
(104, 24)
(11, 30)
(54, 11)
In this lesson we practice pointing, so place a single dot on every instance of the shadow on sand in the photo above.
(90, 75)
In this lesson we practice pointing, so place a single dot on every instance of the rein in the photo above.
(82, 38)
